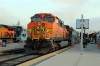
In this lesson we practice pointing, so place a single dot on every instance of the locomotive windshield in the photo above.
(36, 18)
(18, 30)
(49, 19)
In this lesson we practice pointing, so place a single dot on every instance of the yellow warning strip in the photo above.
(28, 63)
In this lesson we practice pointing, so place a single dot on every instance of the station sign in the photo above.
(85, 23)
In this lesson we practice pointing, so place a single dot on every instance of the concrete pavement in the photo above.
(12, 46)
(72, 57)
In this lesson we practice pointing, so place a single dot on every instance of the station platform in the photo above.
(70, 57)
(12, 46)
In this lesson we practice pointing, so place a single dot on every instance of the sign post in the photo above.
(81, 34)
(82, 24)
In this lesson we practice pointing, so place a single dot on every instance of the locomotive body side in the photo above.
(58, 31)
(3, 32)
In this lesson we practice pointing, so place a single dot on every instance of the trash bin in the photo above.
(4, 43)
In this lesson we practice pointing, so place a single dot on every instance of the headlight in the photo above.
(38, 23)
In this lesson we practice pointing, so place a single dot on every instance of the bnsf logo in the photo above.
(39, 29)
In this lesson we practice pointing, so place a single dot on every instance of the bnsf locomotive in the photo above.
(45, 33)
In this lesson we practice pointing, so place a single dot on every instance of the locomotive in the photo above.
(17, 33)
(46, 32)
(10, 32)
(6, 32)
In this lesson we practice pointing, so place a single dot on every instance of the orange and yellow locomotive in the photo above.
(6, 32)
(45, 32)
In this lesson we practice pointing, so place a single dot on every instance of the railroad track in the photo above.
(11, 52)
(16, 58)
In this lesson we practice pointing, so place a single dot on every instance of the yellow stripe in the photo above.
(28, 63)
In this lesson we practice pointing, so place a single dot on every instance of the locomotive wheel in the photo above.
(50, 50)
(35, 47)
(54, 49)
(57, 47)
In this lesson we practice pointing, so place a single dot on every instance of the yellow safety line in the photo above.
(28, 63)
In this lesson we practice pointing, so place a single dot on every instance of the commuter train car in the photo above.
(75, 37)
(93, 38)
(23, 36)
(45, 33)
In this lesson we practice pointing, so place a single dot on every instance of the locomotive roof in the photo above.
(10, 27)
(42, 13)
(67, 26)
(16, 26)
(5, 26)
(71, 28)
